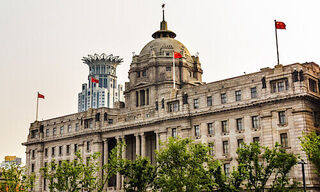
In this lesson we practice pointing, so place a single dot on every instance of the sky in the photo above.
(42, 43)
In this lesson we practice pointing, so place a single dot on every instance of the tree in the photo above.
(182, 166)
(16, 179)
(139, 174)
(261, 163)
(311, 145)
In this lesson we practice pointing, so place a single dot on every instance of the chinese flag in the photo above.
(280, 25)
(93, 80)
(177, 55)
(40, 96)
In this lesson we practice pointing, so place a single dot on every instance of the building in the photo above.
(10, 160)
(106, 92)
(272, 105)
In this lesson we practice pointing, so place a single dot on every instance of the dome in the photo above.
(165, 42)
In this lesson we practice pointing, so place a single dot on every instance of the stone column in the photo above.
(137, 145)
(123, 156)
(105, 160)
(143, 144)
(157, 140)
(118, 181)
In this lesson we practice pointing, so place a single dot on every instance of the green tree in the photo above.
(16, 179)
(139, 174)
(311, 145)
(182, 166)
(261, 163)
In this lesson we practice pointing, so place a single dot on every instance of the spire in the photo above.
(163, 32)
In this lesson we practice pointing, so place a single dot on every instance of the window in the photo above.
(210, 128)
(253, 92)
(33, 154)
(110, 121)
(196, 103)
(284, 140)
(173, 106)
(239, 124)
(75, 148)
(282, 117)
(174, 132)
(240, 142)
(47, 132)
(32, 167)
(279, 85)
(225, 147)
(61, 130)
(90, 124)
(209, 101)
(69, 128)
(256, 139)
(88, 145)
(223, 98)
(46, 152)
(77, 127)
(68, 149)
(238, 95)
(226, 168)
(144, 73)
(313, 85)
(52, 151)
(168, 68)
(255, 122)
(197, 130)
(224, 126)
(54, 131)
(211, 149)
(60, 150)
(34, 134)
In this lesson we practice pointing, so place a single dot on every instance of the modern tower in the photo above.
(106, 91)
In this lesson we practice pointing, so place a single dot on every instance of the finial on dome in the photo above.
(163, 32)
(163, 5)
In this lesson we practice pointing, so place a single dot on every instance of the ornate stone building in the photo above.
(272, 105)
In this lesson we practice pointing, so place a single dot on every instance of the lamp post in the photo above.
(303, 174)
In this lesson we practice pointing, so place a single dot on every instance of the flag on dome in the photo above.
(280, 25)
(93, 80)
(177, 55)
(40, 96)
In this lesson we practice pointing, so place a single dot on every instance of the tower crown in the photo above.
(163, 32)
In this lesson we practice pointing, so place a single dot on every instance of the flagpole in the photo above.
(37, 106)
(173, 71)
(275, 28)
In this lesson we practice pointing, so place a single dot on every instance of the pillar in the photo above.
(137, 145)
(105, 160)
(118, 181)
(157, 141)
(143, 144)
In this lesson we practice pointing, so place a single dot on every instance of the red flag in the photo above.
(40, 96)
(280, 25)
(177, 55)
(93, 80)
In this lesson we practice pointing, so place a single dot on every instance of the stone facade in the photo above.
(273, 105)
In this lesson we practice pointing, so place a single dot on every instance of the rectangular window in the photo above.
(224, 126)
(209, 101)
(47, 132)
(173, 106)
(210, 128)
(174, 132)
(69, 128)
(197, 130)
(32, 167)
(253, 92)
(226, 168)
(144, 73)
(284, 140)
(52, 151)
(110, 121)
(46, 152)
(240, 142)
(60, 150)
(282, 117)
(75, 148)
(223, 98)
(238, 95)
(256, 139)
(33, 154)
(168, 68)
(77, 127)
(61, 130)
(280, 86)
(211, 149)
(225, 147)
(88, 145)
(138, 73)
(196, 103)
(255, 122)
(313, 85)
(68, 149)
(239, 124)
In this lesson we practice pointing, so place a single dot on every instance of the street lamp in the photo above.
(303, 175)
